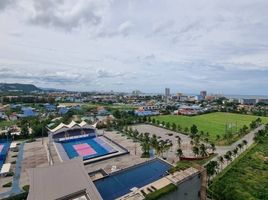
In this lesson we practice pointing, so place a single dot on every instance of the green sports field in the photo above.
(214, 123)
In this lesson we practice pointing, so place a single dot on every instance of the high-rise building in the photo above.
(203, 94)
(167, 92)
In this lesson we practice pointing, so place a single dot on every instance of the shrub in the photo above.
(159, 193)
(10, 174)
(9, 184)
(26, 188)
(21, 196)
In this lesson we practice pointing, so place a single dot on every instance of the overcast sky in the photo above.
(188, 45)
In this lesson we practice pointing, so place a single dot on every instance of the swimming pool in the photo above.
(89, 147)
(120, 183)
(4, 147)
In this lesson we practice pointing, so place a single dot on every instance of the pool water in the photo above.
(69, 147)
(4, 147)
(120, 183)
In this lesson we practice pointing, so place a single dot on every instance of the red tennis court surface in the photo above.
(84, 149)
(1, 147)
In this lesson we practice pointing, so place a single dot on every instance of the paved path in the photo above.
(221, 150)
(16, 178)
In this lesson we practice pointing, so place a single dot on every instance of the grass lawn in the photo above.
(109, 106)
(6, 123)
(214, 123)
(184, 164)
(245, 179)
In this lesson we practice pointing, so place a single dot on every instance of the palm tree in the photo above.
(192, 142)
(227, 157)
(240, 146)
(212, 146)
(179, 153)
(203, 151)
(221, 160)
(174, 126)
(229, 153)
(218, 137)
(153, 141)
(211, 168)
(195, 150)
(196, 139)
(235, 151)
(245, 142)
(179, 141)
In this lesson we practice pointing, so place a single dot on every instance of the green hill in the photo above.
(18, 87)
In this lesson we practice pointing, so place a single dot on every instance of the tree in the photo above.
(25, 130)
(153, 120)
(154, 141)
(195, 150)
(229, 153)
(218, 137)
(235, 151)
(179, 128)
(212, 146)
(211, 168)
(221, 160)
(179, 141)
(194, 130)
(179, 153)
(203, 150)
(167, 125)
(186, 129)
(174, 126)
(245, 142)
(240, 146)
(145, 146)
(135, 133)
(227, 157)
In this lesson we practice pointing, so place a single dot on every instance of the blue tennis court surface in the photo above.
(4, 147)
(100, 147)
(120, 183)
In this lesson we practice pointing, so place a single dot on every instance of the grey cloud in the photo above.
(125, 28)
(159, 27)
(67, 14)
(41, 76)
(101, 73)
(6, 3)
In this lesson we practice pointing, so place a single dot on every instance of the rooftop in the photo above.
(66, 180)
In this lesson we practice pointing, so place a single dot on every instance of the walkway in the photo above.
(221, 150)
(16, 178)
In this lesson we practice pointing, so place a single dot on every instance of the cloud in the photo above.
(162, 26)
(6, 3)
(101, 73)
(125, 28)
(185, 45)
(68, 14)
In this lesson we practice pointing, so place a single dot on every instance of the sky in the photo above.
(124, 45)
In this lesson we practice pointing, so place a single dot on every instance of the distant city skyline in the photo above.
(126, 45)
